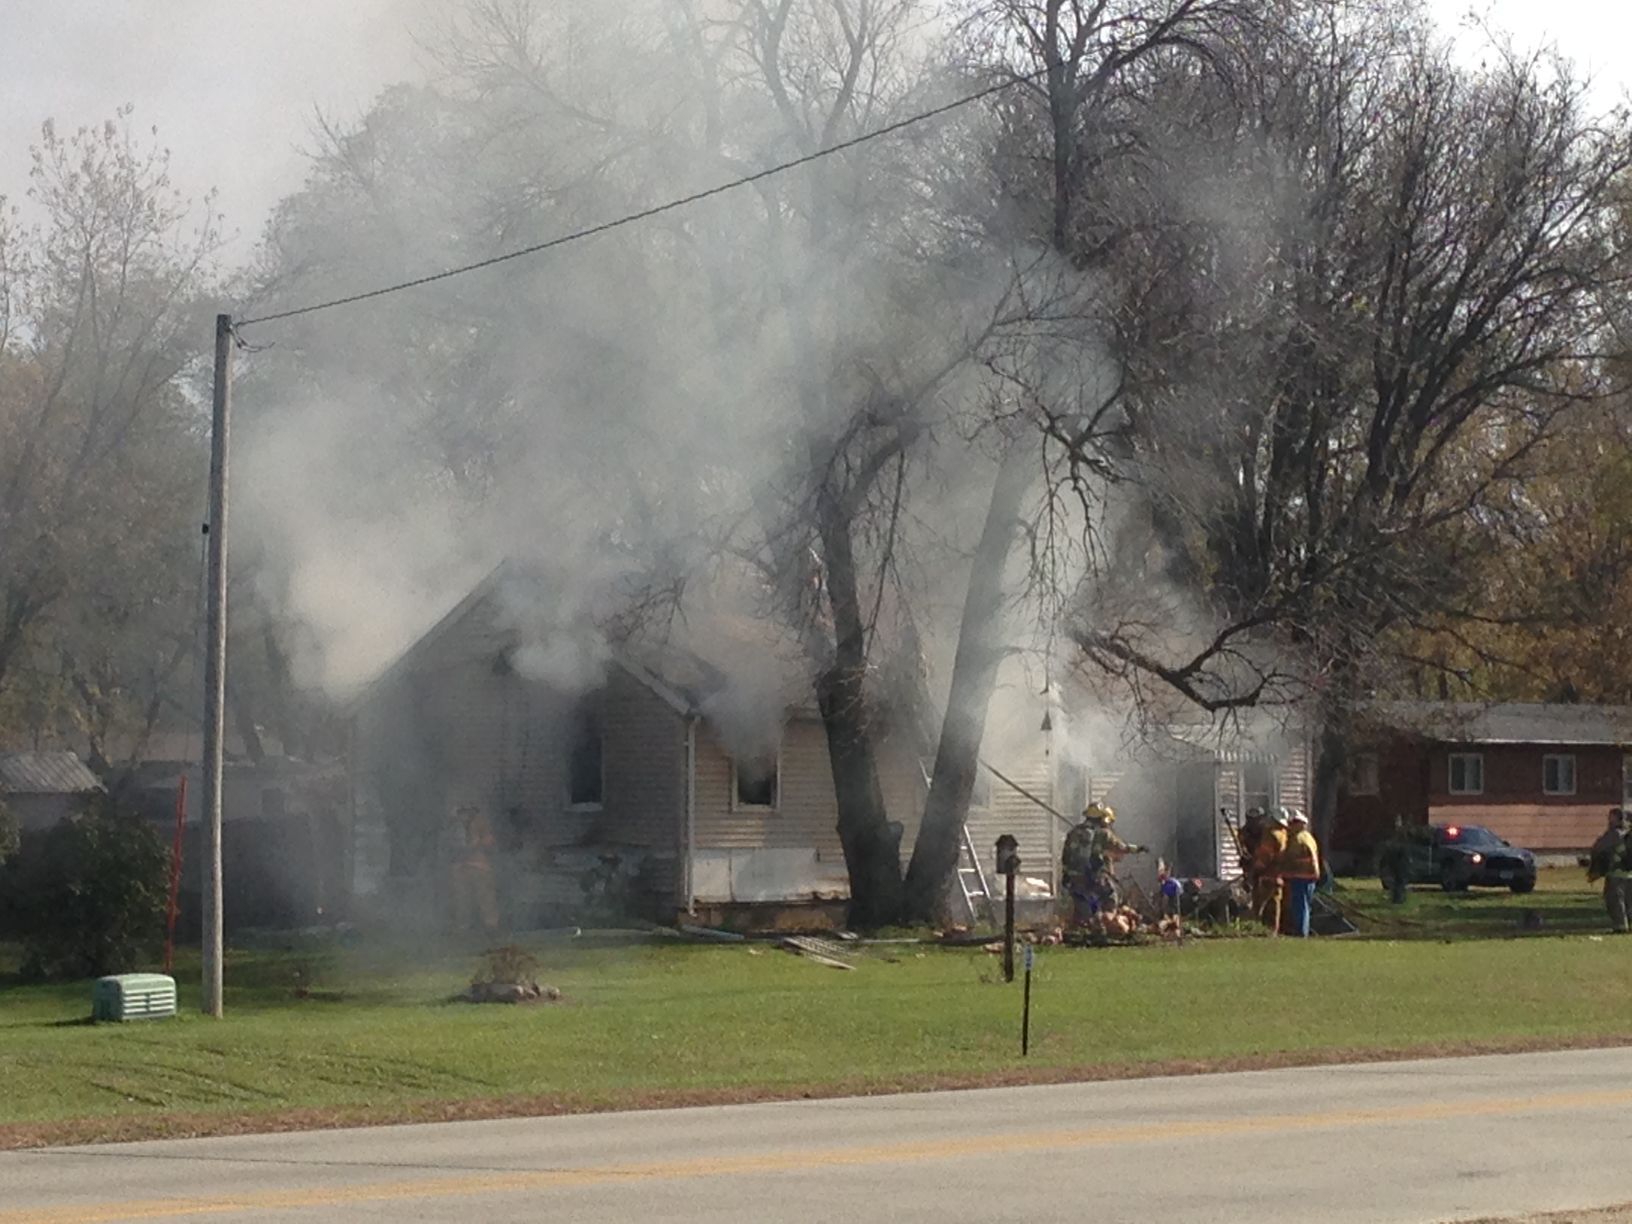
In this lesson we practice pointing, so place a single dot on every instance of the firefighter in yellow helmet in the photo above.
(1089, 862)
(1300, 871)
(1267, 889)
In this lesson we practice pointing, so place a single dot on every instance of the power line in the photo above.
(656, 210)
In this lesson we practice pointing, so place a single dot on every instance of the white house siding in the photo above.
(1012, 812)
(791, 852)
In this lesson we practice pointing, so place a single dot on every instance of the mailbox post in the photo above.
(1008, 862)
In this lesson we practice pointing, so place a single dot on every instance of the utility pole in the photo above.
(215, 663)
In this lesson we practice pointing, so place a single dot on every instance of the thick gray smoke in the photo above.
(625, 411)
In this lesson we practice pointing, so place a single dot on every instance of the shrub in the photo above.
(89, 895)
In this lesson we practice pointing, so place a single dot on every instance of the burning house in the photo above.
(684, 777)
(516, 773)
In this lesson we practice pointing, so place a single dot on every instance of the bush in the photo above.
(89, 895)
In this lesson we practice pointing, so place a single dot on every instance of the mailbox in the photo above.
(1008, 855)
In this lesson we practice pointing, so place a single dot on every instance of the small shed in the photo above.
(40, 788)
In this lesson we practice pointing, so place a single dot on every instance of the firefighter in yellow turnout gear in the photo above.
(1088, 860)
(1267, 890)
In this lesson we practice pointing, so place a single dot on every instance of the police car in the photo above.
(1459, 857)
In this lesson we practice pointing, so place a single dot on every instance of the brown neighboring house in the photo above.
(40, 788)
(1541, 776)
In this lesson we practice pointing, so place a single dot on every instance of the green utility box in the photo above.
(133, 996)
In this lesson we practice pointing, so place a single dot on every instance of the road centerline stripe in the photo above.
(795, 1160)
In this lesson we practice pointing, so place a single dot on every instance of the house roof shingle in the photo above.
(46, 773)
(1469, 722)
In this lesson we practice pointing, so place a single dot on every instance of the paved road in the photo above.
(1417, 1141)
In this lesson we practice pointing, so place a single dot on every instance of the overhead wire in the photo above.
(645, 214)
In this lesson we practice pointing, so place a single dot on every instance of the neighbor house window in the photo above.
(1558, 774)
(1467, 773)
(1366, 776)
(756, 781)
(586, 779)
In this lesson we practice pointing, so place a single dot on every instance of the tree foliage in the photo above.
(88, 896)
(100, 443)
(1380, 290)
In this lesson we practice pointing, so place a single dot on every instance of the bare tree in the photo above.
(1082, 72)
(99, 438)
(1370, 290)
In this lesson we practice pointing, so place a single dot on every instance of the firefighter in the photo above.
(1300, 869)
(1105, 849)
(1266, 867)
(1252, 832)
(1074, 874)
(1612, 862)
(1394, 863)
(475, 898)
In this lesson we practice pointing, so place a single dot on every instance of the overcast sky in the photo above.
(232, 86)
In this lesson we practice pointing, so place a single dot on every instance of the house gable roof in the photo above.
(674, 696)
(1468, 722)
(46, 773)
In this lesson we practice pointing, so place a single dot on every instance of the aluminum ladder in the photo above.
(972, 883)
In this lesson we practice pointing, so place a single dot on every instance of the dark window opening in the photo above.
(756, 782)
(1365, 774)
(585, 779)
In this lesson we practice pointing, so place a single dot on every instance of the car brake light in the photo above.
(1453, 832)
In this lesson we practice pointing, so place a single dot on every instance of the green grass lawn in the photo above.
(376, 1037)
(1563, 903)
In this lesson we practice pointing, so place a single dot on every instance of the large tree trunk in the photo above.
(872, 847)
(1331, 759)
(974, 676)
(1332, 750)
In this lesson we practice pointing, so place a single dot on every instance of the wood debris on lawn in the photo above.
(509, 992)
(822, 951)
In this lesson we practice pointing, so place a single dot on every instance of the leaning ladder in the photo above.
(977, 893)
(972, 883)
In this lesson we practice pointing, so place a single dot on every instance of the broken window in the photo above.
(756, 781)
(585, 780)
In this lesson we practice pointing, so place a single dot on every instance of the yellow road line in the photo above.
(801, 1160)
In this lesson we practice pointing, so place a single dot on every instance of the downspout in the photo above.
(688, 867)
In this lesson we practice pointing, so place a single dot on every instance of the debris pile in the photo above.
(509, 992)
(506, 975)
(1124, 924)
